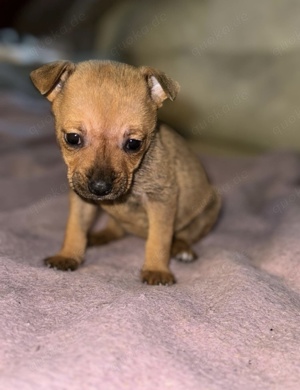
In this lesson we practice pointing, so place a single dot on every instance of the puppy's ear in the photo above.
(161, 86)
(49, 79)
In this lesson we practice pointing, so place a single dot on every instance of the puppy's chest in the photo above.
(131, 214)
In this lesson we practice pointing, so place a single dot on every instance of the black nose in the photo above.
(100, 187)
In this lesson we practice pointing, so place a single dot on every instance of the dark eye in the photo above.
(132, 145)
(73, 139)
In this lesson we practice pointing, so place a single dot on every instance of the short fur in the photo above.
(159, 192)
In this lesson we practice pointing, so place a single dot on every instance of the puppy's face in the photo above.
(105, 116)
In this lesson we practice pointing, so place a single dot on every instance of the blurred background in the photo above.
(237, 61)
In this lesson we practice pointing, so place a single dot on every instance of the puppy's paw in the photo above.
(186, 256)
(182, 251)
(155, 278)
(62, 263)
(99, 238)
(102, 237)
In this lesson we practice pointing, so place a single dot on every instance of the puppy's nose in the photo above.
(100, 187)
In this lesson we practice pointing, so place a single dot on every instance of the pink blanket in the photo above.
(231, 322)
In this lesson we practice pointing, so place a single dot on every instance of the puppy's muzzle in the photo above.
(100, 187)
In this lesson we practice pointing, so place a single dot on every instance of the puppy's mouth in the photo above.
(99, 190)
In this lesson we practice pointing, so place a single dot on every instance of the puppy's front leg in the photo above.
(81, 217)
(161, 229)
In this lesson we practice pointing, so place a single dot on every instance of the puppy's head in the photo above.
(105, 114)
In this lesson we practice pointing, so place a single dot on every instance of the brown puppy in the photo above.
(141, 173)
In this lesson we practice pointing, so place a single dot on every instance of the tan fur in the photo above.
(159, 192)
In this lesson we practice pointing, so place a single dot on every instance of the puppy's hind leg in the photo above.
(181, 247)
(113, 231)
(182, 251)
(204, 223)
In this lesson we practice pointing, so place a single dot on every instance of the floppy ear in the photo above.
(161, 86)
(50, 78)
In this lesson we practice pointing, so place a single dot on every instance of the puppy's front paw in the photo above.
(155, 278)
(62, 263)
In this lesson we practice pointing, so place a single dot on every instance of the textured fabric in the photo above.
(231, 322)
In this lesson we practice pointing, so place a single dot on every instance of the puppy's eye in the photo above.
(132, 145)
(73, 139)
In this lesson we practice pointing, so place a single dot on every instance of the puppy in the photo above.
(118, 157)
